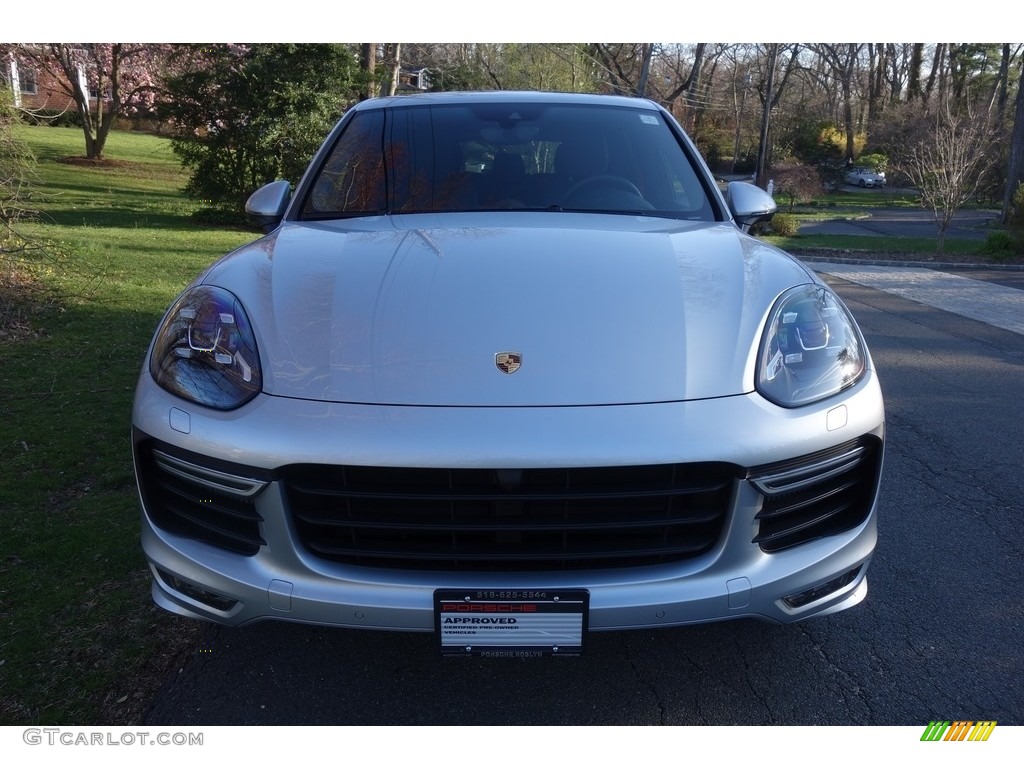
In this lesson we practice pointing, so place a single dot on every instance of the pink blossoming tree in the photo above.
(105, 80)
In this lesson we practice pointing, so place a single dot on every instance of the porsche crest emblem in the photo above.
(508, 362)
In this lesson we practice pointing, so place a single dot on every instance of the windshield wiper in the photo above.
(329, 215)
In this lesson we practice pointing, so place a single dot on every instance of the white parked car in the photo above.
(508, 400)
(865, 177)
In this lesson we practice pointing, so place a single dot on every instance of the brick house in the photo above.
(34, 88)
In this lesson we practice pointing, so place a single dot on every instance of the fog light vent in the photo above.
(211, 599)
(800, 599)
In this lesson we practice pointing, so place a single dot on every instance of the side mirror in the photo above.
(749, 204)
(266, 206)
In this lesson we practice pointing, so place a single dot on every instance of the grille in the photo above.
(198, 502)
(818, 495)
(509, 520)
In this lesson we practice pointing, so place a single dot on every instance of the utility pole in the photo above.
(762, 151)
(645, 69)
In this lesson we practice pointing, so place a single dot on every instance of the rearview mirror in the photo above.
(749, 204)
(266, 206)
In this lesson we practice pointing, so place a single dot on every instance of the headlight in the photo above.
(205, 350)
(811, 348)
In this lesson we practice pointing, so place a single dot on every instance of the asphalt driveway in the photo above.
(905, 222)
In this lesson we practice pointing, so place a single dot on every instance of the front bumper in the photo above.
(282, 580)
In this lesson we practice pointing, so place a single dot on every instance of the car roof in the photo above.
(505, 97)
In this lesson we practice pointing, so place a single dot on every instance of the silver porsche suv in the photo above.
(508, 369)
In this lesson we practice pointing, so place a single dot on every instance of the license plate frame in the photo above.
(511, 623)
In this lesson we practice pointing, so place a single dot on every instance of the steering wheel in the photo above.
(602, 182)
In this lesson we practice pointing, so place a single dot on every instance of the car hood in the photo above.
(414, 310)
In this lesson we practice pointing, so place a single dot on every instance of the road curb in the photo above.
(940, 265)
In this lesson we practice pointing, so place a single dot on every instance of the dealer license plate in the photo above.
(510, 623)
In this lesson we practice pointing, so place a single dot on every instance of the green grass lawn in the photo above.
(870, 246)
(859, 200)
(851, 205)
(80, 641)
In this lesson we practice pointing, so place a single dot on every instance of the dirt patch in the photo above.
(21, 296)
(101, 163)
(15, 329)
(172, 641)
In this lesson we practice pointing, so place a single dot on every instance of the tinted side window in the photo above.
(352, 179)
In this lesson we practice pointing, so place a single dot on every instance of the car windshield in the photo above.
(507, 156)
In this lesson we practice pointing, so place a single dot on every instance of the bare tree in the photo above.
(17, 176)
(844, 60)
(739, 84)
(770, 89)
(899, 60)
(1000, 89)
(946, 156)
(368, 66)
(938, 72)
(1015, 167)
(878, 70)
(16, 171)
(687, 83)
(914, 74)
(393, 63)
(625, 67)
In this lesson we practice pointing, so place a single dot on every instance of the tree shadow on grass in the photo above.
(76, 217)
